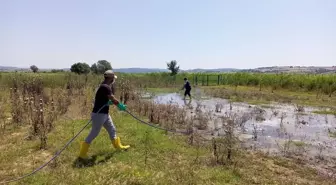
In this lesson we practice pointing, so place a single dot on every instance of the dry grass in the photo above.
(165, 160)
(155, 157)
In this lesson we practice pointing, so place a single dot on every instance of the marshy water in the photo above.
(274, 128)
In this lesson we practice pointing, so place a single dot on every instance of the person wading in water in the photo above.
(187, 88)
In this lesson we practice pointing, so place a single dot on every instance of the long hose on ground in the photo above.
(55, 156)
(73, 138)
(154, 126)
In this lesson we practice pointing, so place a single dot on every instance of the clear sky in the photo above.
(149, 33)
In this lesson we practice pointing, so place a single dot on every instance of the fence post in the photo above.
(194, 79)
(221, 80)
(203, 80)
(218, 78)
(207, 80)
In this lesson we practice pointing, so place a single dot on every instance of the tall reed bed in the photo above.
(321, 83)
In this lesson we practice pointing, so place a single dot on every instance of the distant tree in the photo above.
(94, 68)
(173, 68)
(34, 68)
(80, 68)
(101, 66)
(57, 70)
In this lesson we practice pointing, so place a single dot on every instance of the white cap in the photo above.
(110, 73)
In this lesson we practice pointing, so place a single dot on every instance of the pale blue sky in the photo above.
(148, 33)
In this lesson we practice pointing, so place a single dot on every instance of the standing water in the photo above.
(272, 127)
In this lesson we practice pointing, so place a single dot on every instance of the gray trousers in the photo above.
(98, 121)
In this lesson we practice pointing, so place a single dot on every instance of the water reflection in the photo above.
(187, 103)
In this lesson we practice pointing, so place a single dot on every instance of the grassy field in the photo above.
(254, 96)
(332, 112)
(322, 83)
(154, 158)
(41, 112)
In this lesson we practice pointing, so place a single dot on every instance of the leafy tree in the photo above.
(94, 68)
(34, 68)
(101, 66)
(57, 70)
(172, 66)
(80, 68)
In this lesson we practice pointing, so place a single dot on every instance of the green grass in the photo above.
(331, 112)
(332, 134)
(154, 158)
(252, 95)
(266, 106)
(259, 102)
(299, 143)
(323, 83)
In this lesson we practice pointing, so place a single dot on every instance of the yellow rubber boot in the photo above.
(116, 143)
(83, 150)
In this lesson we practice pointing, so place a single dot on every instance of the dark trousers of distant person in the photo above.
(187, 92)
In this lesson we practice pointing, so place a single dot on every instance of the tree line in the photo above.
(97, 68)
(102, 65)
(83, 68)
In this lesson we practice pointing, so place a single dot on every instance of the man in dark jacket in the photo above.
(187, 88)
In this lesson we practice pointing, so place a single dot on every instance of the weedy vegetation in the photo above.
(40, 112)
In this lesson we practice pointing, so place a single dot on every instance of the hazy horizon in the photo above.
(198, 34)
(165, 68)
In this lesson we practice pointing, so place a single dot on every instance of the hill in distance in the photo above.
(150, 70)
(127, 70)
(273, 69)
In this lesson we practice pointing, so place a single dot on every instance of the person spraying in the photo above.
(187, 88)
(104, 95)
